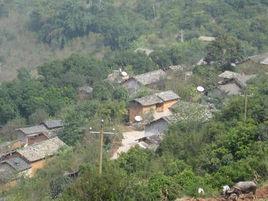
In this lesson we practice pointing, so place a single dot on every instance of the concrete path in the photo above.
(129, 140)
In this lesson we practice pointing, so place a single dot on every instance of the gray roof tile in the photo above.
(167, 95)
(157, 98)
(56, 123)
(33, 130)
(151, 77)
(42, 150)
(149, 100)
(17, 163)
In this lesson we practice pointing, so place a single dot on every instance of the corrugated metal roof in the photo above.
(42, 150)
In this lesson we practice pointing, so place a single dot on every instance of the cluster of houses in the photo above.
(157, 111)
(34, 145)
(232, 83)
(152, 113)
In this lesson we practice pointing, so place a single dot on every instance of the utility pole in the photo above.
(101, 147)
(101, 134)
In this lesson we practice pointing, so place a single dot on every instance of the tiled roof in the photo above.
(265, 61)
(42, 150)
(240, 79)
(261, 58)
(190, 111)
(228, 75)
(17, 163)
(86, 89)
(167, 95)
(157, 98)
(56, 123)
(33, 130)
(230, 88)
(151, 77)
(6, 173)
(149, 100)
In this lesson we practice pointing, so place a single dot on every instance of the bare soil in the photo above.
(261, 195)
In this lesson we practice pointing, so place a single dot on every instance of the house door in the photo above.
(159, 107)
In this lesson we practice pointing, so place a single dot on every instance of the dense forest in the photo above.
(55, 47)
(37, 31)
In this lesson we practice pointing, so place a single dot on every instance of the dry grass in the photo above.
(23, 49)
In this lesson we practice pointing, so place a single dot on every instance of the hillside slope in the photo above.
(37, 31)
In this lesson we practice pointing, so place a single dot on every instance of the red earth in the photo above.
(261, 195)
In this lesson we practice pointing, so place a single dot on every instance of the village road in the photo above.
(129, 140)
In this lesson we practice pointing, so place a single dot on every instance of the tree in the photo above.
(224, 51)
(24, 74)
(4, 10)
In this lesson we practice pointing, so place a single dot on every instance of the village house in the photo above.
(260, 63)
(159, 126)
(33, 134)
(259, 59)
(13, 168)
(156, 103)
(118, 76)
(85, 92)
(36, 154)
(151, 142)
(181, 111)
(151, 79)
(232, 83)
(53, 124)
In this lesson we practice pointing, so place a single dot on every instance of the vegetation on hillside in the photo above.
(37, 31)
(104, 36)
(222, 151)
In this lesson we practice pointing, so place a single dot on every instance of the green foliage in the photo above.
(24, 74)
(113, 184)
(38, 117)
(88, 114)
(4, 9)
(139, 62)
(188, 52)
(58, 185)
(56, 22)
(224, 51)
(73, 71)
(224, 150)
(135, 160)
(65, 161)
